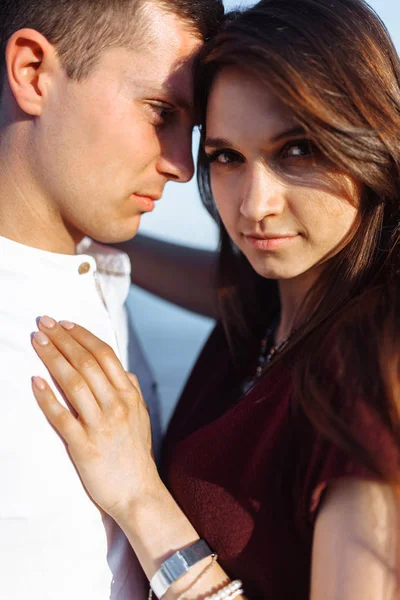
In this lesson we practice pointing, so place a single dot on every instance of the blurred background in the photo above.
(173, 337)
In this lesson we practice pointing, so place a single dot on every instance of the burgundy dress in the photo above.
(249, 472)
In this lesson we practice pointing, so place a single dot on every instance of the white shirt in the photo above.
(54, 543)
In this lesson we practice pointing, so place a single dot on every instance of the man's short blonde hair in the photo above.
(81, 29)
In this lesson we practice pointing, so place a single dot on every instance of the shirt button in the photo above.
(84, 268)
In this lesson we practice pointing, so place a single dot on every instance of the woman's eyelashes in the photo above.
(303, 148)
(224, 157)
(294, 151)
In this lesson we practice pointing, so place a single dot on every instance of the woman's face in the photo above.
(282, 203)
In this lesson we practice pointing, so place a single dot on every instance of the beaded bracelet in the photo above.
(230, 591)
(236, 594)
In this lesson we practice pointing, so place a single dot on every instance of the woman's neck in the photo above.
(292, 293)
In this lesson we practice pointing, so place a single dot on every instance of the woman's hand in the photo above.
(107, 432)
(107, 428)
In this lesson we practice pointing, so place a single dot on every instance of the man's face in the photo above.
(105, 147)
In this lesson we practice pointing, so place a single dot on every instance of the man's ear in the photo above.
(30, 61)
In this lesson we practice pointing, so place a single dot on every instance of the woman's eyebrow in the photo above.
(219, 142)
(290, 132)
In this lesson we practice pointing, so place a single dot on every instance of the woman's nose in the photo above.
(263, 195)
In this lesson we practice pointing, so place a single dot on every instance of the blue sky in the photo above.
(388, 10)
(179, 216)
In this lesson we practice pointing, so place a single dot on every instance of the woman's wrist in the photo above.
(143, 493)
(155, 526)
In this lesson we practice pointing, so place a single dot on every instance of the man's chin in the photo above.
(118, 233)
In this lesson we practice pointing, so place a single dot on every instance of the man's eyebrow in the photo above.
(177, 98)
(219, 143)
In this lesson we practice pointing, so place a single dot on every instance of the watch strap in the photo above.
(178, 565)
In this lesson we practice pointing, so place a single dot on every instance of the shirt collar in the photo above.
(90, 257)
(110, 261)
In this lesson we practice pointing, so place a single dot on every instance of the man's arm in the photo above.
(182, 275)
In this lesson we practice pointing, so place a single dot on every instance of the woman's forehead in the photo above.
(238, 100)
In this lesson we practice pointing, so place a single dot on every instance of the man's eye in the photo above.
(299, 149)
(224, 157)
(161, 112)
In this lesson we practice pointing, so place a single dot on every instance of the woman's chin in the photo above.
(284, 273)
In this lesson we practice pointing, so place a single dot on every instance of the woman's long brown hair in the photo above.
(334, 65)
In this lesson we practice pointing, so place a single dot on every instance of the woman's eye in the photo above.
(299, 149)
(224, 157)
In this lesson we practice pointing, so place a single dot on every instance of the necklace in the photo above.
(268, 351)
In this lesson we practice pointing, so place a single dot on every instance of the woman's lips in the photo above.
(271, 242)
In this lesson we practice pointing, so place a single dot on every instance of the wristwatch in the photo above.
(177, 565)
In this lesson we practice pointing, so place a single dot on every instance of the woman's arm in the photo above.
(108, 437)
(356, 550)
(357, 534)
(179, 274)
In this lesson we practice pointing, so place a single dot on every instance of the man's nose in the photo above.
(176, 159)
(262, 195)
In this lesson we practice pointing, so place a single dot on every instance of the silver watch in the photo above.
(177, 565)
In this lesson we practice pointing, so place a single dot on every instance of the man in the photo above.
(95, 119)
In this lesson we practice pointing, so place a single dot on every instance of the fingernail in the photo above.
(41, 338)
(47, 322)
(39, 383)
(67, 324)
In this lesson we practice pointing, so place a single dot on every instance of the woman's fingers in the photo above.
(82, 360)
(135, 382)
(67, 377)
(58, 416)
(99, 350)
(110, 443)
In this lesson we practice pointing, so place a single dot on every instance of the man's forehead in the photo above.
(173, 88)
(175, 81)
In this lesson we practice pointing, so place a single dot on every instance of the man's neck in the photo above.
(25, 217)
(40, 237)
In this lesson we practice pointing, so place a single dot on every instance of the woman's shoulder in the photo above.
(361, 349)
(370, 317)
(350, 395)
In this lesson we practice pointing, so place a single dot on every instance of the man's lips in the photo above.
(271, 241)
(146, 203)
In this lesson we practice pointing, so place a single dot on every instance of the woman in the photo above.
(284, 452)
